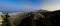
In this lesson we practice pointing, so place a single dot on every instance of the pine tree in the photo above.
(6, 21)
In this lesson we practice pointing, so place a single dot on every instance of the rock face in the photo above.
(1, 18)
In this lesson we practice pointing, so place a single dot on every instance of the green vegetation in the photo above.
(6, 21)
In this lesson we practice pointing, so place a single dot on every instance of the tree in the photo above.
(6, 21)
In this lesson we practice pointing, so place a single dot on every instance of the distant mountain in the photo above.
(40, 10)
(14, 10)
(10, 10)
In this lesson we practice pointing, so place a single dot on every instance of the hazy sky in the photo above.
(20, 5)
(28, 5)
(52, 5)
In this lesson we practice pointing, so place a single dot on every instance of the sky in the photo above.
(28, 5)
(52, 5)
(20, 5)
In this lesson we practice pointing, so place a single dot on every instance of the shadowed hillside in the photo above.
(47, 18)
